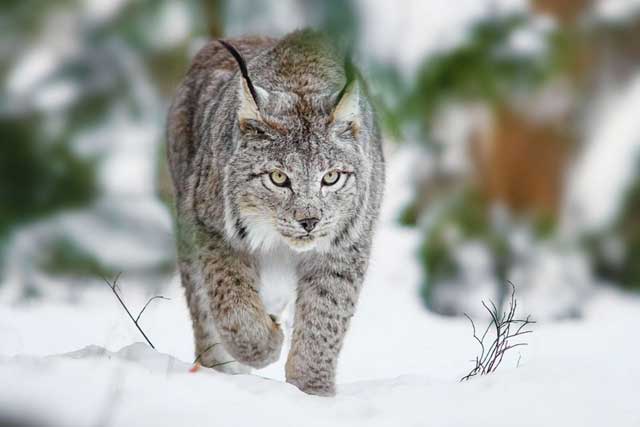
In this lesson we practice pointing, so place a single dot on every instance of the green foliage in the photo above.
(464, 218)
(390, 94)
(481, 69)
(485, 69)
(409, 216)
(467, 218)
(626, 270)
(65, 257)
(338, 19)
(36, 178)
(544, 226)
(40, 173)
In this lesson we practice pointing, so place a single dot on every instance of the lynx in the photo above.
(278, 173)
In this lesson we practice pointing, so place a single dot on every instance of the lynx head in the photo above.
(300, 169)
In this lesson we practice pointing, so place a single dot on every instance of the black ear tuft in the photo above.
(243, 68)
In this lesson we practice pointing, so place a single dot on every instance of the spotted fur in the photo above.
(304, 118)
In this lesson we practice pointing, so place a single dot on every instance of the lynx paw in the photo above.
(315, 387)
(259, 346)
(310, 378)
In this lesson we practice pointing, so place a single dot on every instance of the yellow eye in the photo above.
(279, 178)
(330, 178)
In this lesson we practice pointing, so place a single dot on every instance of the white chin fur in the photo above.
(302, 245)
(263, 236)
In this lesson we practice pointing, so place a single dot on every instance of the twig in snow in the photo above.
(502, 323)
(196, 362)
(206, 350)
(113, 285)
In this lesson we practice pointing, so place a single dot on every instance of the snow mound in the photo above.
(139, 386)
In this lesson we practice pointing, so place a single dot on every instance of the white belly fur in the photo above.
(278, 282)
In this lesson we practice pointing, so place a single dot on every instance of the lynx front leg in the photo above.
(326, 300)
(209, 349)
(246, 330)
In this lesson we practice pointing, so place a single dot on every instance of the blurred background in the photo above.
(521, 119)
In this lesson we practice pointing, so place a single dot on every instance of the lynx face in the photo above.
(296, 179)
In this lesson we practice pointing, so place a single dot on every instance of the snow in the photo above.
(79, 364)
(263, 17)
(420, 28)
(608, 163)
(30, 69)
(413, 29)
(102, 10)
(530, 39)
(175, 20)
(616, 10)
(28, 75)
(82, 363)
(57, 95)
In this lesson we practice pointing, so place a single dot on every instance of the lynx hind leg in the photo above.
(209, 350)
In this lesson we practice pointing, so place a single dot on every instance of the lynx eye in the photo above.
(330, 178)
(279, 178)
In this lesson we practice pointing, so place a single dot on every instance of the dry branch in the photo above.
(113, 285)
(196, 362)
(506, 328)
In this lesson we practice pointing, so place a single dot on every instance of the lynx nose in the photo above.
(309, 223)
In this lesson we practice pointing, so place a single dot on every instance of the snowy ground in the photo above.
(64, 364)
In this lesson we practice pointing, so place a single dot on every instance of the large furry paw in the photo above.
(270, 353)
(256, 345)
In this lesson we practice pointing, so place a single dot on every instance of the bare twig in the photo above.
(113, 285)
(206, 350)
(199, 356)
(501, 323)
(196, 362)
(221, 363)
(148, 301)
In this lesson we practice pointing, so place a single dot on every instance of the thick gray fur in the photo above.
(231, 217)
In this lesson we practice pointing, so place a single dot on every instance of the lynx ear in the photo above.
(250, 96)
(249, 106)
(348, 107)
